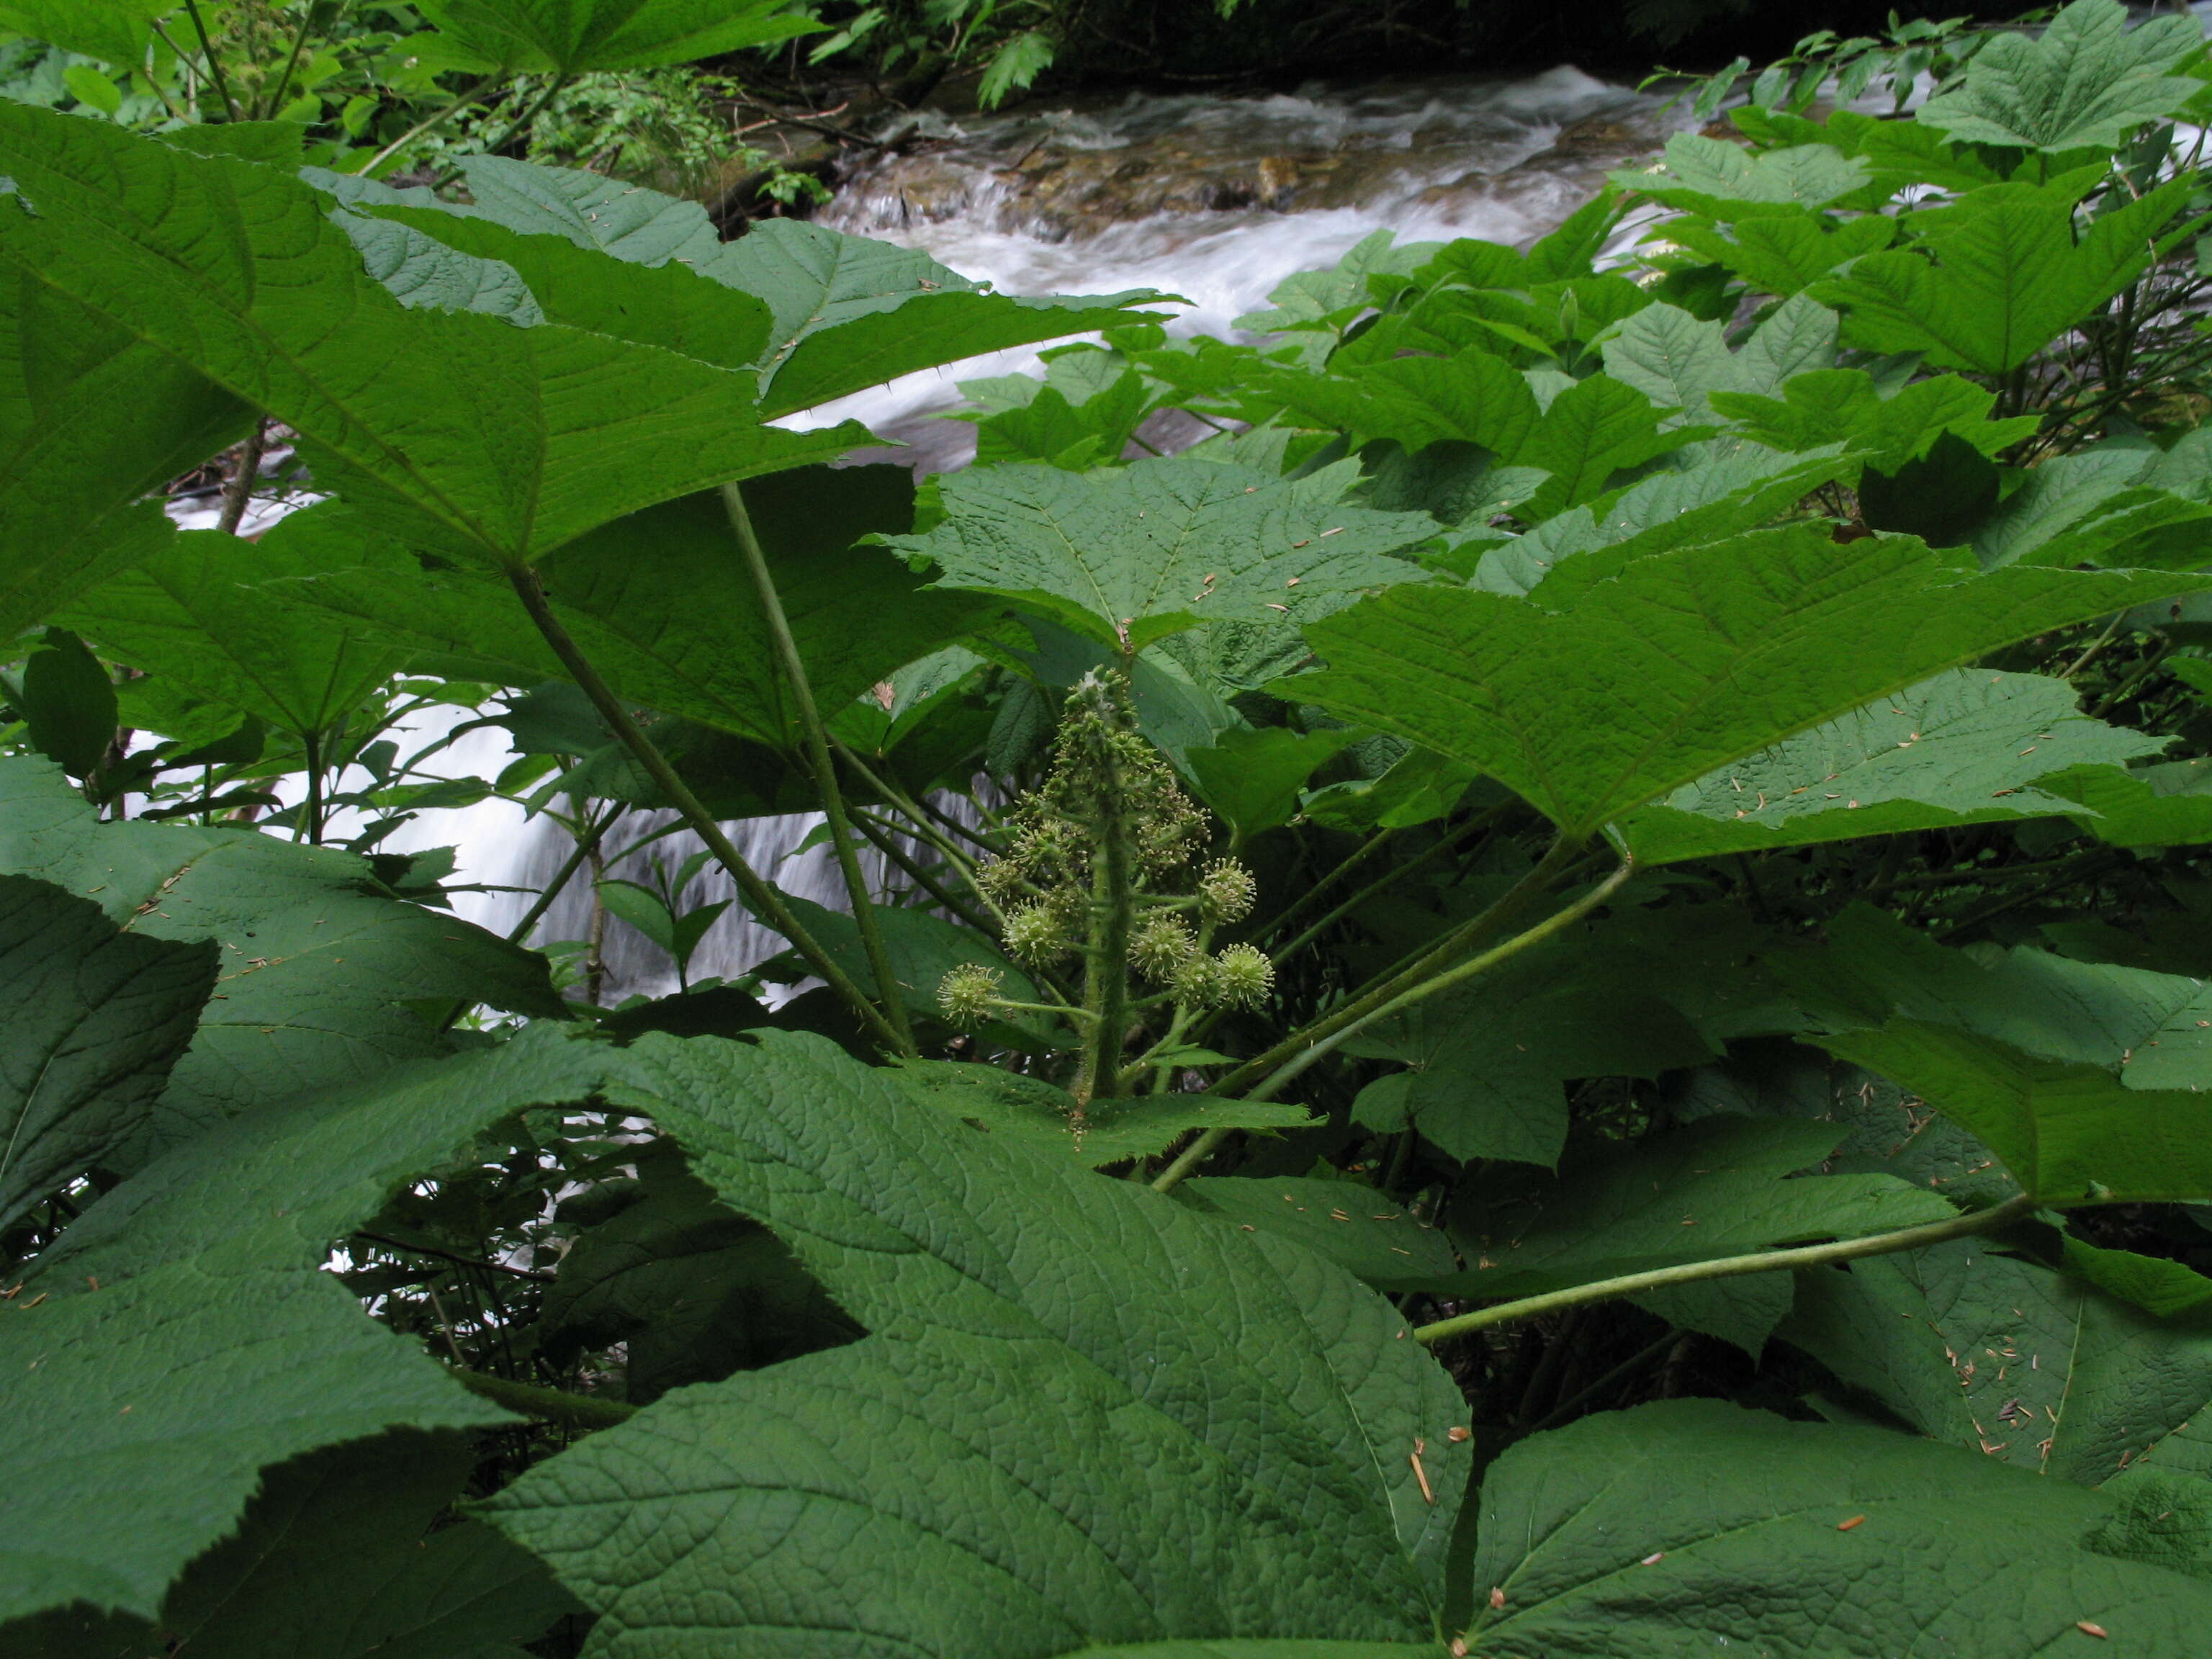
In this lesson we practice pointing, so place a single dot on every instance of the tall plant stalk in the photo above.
(816, 737)
(766, 901)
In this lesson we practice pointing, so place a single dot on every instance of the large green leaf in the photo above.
(460, 431)
(96, 1017)
(2036, 1053)
(576, 37)
(2007, 275)
(2005, 1358)
(2087, 79)
(1131, 556)
(2168, 804)
(1965, 747)
(1217, 1438)
(1681, 1527)
(659, 601)
(315, 961)
(1364, 1231)
(91, 420)
(844, 312)
(339, 1557)
(1589, 698)
(328, 1159)
(190, 614)
(143, 1412)
(691, 1291)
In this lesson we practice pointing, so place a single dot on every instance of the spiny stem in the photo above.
(825, 768)
(238, 490)
(214, 63)
(1731, 1267)
(574, 1411)
(1106, 990)
(766, 901)
(1324, 1036)
(1509, 910)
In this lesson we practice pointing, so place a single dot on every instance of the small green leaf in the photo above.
(1251, 779)
(69, 703)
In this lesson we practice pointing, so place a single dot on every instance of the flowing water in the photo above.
(1214, 198)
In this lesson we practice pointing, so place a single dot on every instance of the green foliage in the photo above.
(1651, 805)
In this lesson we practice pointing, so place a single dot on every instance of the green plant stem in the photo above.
(1509, 910)
(519, 124)
(1445, 845)
(581, 1411)
(1292, 1056)
(586, 844)
(1305, 901)
(826, 767)
(885, 841)
(1732, 1266)
(214, 63)
(428, 124)
(766, 901)
(310, 825)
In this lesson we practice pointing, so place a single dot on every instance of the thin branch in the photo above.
(585, 846)
(817, 736)
(428, 123)
(238, 489)
(458, 1260)
(766, 901)
(214, 63)
(1731, 1267)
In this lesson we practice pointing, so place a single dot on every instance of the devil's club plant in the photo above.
(1549, 999)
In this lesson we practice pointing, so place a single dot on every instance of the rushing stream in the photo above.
(1215, 199)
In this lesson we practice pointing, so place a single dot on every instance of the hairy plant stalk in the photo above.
(1732, 1266)
(214, 63)
(1106, 981)
(826, 767)
(766, 901)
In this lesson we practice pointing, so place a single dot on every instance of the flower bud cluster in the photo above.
(1239, 977)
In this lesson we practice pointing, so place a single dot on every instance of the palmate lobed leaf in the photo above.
(575, 37)
(2087, 79)
(1966, 747)
(659, 600)
(2008, 275)
(457, 431)
(1592, 696)
(1678, 1526)
(91, 420)
(2007, 1358)
(1130, 556)
(315, 965)
(188, 614)
(1213, 1424)
(842, 312)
